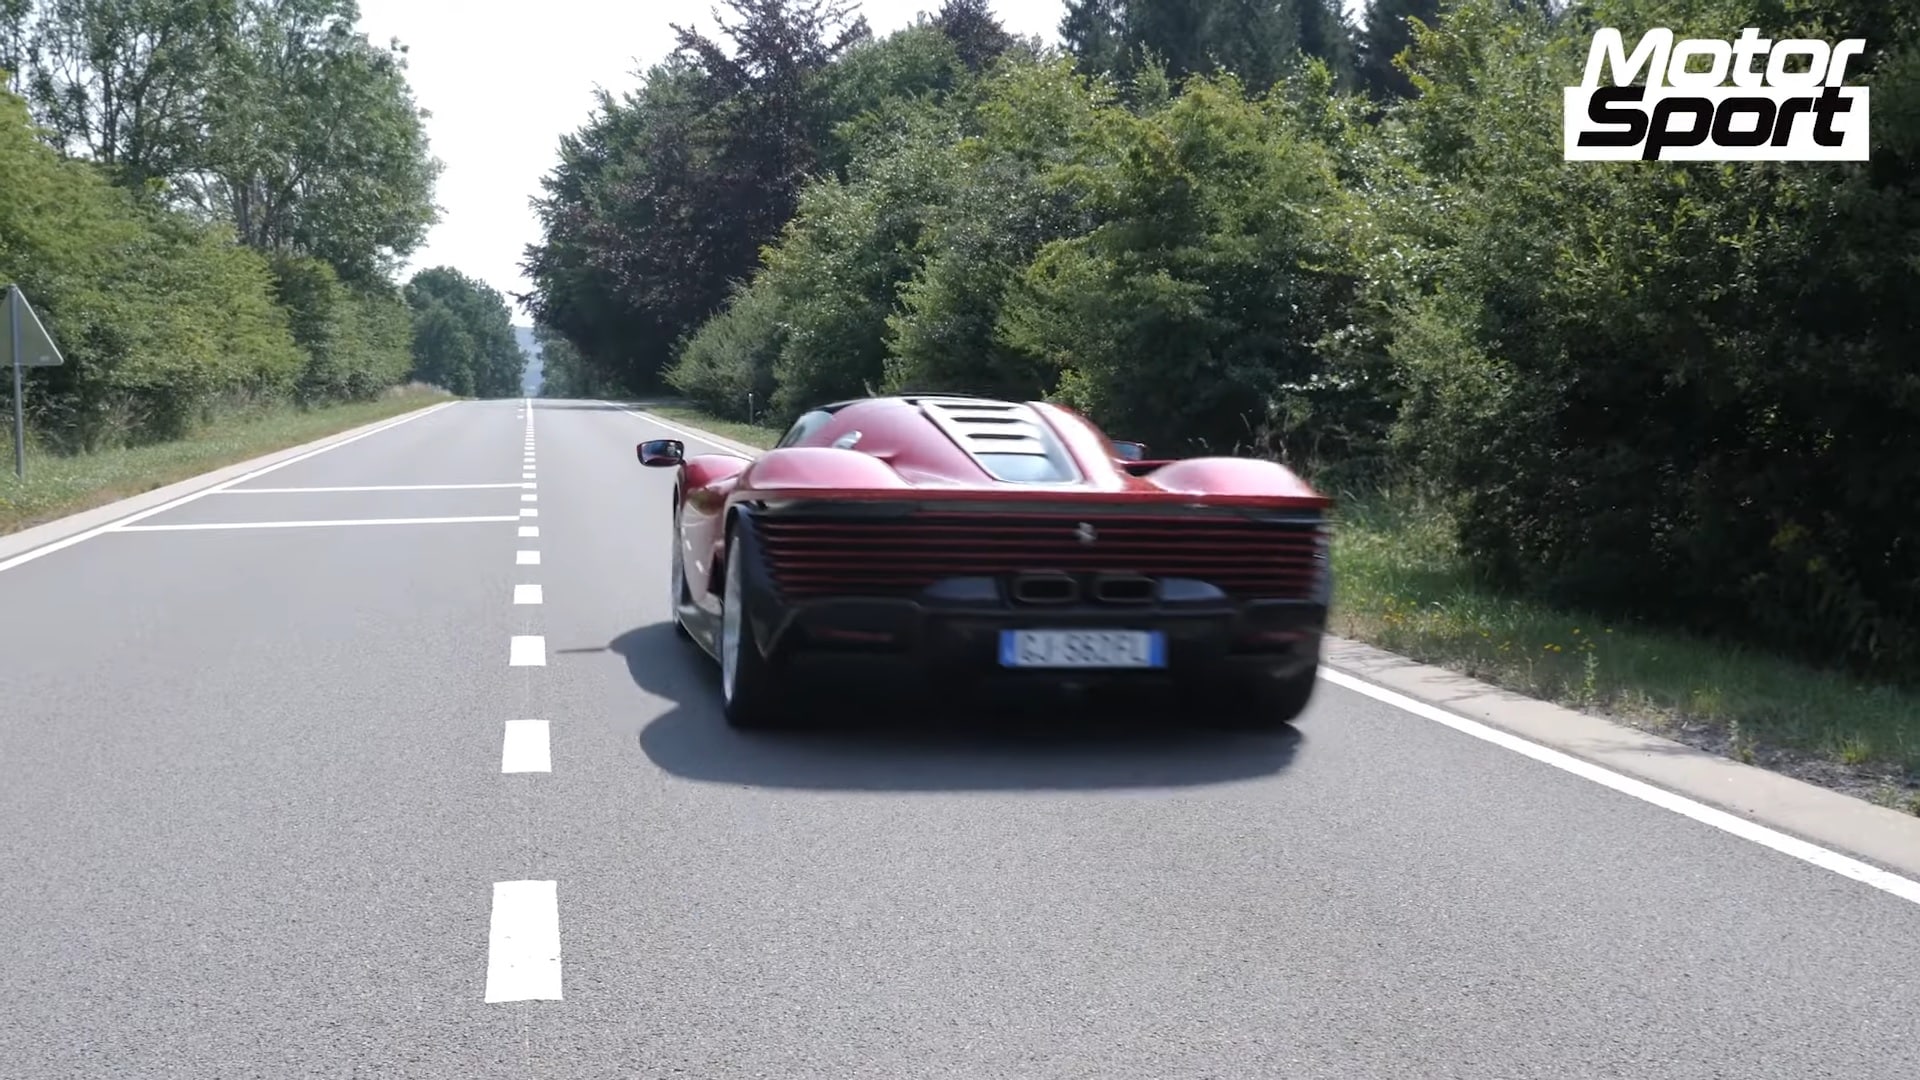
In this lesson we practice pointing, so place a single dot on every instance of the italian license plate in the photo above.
(1082, 649)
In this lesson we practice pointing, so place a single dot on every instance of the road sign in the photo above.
(20, 331)
(27, 345)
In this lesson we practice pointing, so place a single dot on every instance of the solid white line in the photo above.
(200, 525)
(113, 526)
(529, 530)
(525, 748)
(527, 650)
(368, 487)
(529, 511)
(528, 594)
(688, 433)
(523, 942)
(526, 558)
(1719, 819)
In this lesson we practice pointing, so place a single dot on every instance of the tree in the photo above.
(1384, 34)
(123, 83)
(463, 335)
(977, 36)
(1091, 32)
(315, 145)
(275, 116)
(666, 197)
(1258, 41)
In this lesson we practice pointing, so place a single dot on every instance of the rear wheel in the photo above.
(677, 584)
(749, 687)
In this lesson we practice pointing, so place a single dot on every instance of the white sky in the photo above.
(503, 87)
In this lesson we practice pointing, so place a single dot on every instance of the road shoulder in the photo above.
(1816, 814)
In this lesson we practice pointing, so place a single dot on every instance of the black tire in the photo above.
(750, 692)
(1268, 704)
(677, 584)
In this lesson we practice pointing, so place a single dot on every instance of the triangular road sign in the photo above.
(36, 345)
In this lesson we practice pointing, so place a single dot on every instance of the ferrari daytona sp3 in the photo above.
(972, 540)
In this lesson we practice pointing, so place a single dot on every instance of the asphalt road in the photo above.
(254, 823)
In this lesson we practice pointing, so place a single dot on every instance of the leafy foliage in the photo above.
(1678, 390)
(463, 335)
(205, 199)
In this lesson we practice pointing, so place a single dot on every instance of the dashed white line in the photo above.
(526, 558)
(529, 530)
(528, 594)
(526, 748)
(527, 650)
(529, 498)
(198, 525)
(528, 511)
(526, 476)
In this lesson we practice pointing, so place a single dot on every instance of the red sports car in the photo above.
(975, 540)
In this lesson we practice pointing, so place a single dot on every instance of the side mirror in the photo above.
(1129, 451)
(661, 453)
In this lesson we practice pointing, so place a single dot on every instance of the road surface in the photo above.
(256, 821)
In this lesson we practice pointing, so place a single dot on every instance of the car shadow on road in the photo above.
(892, 742)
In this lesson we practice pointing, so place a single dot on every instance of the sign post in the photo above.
(28, 345)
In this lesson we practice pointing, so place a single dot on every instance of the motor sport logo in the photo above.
(1769, 113)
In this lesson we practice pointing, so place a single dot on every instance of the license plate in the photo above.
(1082, 649)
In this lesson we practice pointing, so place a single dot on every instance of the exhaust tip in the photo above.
(1124, 589)
(1044, 589)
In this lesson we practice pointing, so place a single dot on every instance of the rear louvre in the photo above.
(812, 556)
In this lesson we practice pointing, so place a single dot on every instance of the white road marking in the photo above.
(529, 487)
(122, 523)
(526, 558)
(529, 530)
(201, 525)
(529, 498)
(688, 433)
(1719, 819)
(367, 487)
(526, 476)
(528, 594)
(528, 511)
(525, 748)
(527, 650)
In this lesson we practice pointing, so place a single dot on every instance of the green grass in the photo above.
(751, 434)
(56, 485)
(1401, 586)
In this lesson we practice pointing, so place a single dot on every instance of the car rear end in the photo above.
(1045, 594)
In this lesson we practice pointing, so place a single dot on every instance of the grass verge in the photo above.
(56, 486)
(751, 434)
(1400, 585)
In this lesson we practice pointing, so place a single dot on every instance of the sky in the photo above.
(503, 88)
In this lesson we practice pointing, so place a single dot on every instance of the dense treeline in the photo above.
(1687, 390)
(207, 200)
